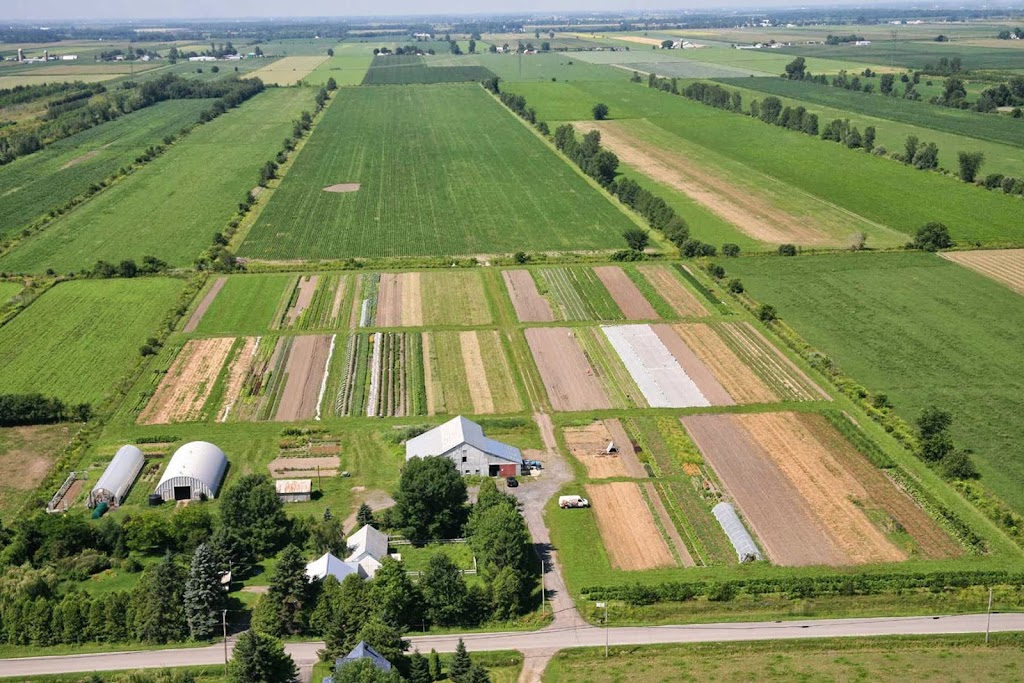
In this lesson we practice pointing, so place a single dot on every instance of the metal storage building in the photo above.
(294, 490)
(463, 442)
(117, 479)
(195, 472)
(746, 549)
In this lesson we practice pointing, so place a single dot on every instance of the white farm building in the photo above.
(115, 482)
(367, 547)
(463, 442)
(195, 472)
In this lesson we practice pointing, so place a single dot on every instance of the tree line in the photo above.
(18, 410)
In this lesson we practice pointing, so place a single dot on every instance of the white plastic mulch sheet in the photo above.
(657, 373)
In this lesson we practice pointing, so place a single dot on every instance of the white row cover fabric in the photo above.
(657, 373)
(746, 549)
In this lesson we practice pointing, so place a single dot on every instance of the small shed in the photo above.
(463, 442)
(195, 472)
(294, 490)
(732, 525)
(115, 482)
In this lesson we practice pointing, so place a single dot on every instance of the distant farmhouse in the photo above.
(463, 442)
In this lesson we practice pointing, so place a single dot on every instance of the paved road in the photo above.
(534, 642)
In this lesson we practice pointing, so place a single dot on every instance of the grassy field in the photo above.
(413, 69)
(896, 659)
(863, 185)
(544, 66)
(80, 337)
(916, 54)
(346, 67)
(33, 185)
(288, 70)
(246, 305)
(9, 290)
(463, 176)
(921, 329)
(172, 207)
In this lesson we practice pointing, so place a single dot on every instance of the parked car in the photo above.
(511, 482)
(573, 502)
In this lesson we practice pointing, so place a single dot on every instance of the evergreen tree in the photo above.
(259, 658)
(435, 665)
(364, 516)
(444, 591)
(204, 595)
(158, 603)
(461, 664)
(289, 592)
(419, 669)
(478, 674)
(393, 595)
(350, 613)
(326, 605)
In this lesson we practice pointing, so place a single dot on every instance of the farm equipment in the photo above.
(573, 502)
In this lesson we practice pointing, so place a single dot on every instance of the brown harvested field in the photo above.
(197, 315)
(628, 298)
(570, 380)
(670, 527)
(306, 288)
(238, 370)
(454, 298)
(500, 376)
(186, 386)
(672, 290)
(26, 456)
(530, 306)
(1002, 265)
(827, 487)
(339, 296)
(588, 444)
(389, 300)
(772, 506)
(628, 531)
(754, 215)
(697, 371)
(476, 375)
(738, 379)
(412, 300)
(787, 380)
(303, 375)
(287, 70)
(287, 468)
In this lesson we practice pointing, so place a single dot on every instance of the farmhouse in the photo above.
(195, 472)
(367, 547)
(117, 479)
(294, 490)
(463, 442)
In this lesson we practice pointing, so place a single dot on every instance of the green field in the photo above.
(79, 338)
(544, 66)
(896, 659)
(462, 176)
(916, 54)
(172, 207)
(33, 185)
(577, 294)
(413, 69)
(878, 190)
(248, 304)
(8, 290)
(921, 329)
(346, 67)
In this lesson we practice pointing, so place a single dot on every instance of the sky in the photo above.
(20, 10)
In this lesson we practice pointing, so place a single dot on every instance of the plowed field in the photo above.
(737, 378)
(529, 304)
(627, 527)
(673, 291)
(304, 374)
(626, 295)
(186, 386)
(567, 374)
(1004, 265)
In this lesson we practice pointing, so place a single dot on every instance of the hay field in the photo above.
(287, 70)
(1004, 265)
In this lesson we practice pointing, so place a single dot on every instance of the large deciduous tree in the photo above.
(252, 511)
(431, 500)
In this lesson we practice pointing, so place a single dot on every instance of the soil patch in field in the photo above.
(307, 287)
(701, 375)
(589, 445)
(85, 157)
(71, 495)
(530, 306)
(755, 216)
(628, 298)
(1002, 265)
(670, 528)
(237, 372)
(389, 300)
(197, 315)
(298, 468)
(304, 374)
(739, 380)
(343, 187)
(567, 373)
(186, 386)
(771, 505)
(630, 536)
(412, 300)
(682, 301)
(476, 375)
(26, 456)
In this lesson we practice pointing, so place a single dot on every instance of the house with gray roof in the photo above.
(463, 442)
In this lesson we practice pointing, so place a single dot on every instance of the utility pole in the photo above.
(224, 625)
(988, 622)
(599, 606)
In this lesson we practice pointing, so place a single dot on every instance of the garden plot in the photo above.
(364, 312)
(383, 376)
(290, 468)
(630, 535)
(399, 301)
(654, 368)
(305, 377)
(197, 315)
(743, 385)
(626, 295)
(244, 304)
(529, 304)
(283, 379)
(314, 302)
(183, 391)
(589, 445)
(238, 366)
(566, 371)
(578, 294)
(469, 373)
(1002, 265)
(454, 298)
(671, 288)
(779, 374)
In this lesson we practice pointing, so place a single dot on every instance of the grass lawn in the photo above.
(172, 206)
(8, 290)
(346, 67)
(921, 329)
(897, 659)
(76, 340)
(462, 176)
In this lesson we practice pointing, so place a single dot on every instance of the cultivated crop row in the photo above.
(788, 383)
(383, 376)
(578, 294)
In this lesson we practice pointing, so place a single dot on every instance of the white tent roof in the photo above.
(329, 565)
(367, 542)
(198, 464)
(454, 433)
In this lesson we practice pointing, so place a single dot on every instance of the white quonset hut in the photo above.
(115, 482)
(195, 472)
(463, 442)
(732, 525)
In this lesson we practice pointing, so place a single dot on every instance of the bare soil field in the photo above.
(626, 452)
(628, 531)
(588, 445)
(739, 380)
(701, 375)
(565, 370)
(237, 372)
(412, 300)
(828, 488)
(530, 306)
(186, 386)
(343, 187)
(682, 301)
(771, 505)
(26, 456)
(304, 373)
(670, 528)
(476, 375)
(389, 300)
(307, 287)
(288, 468)
(755, 216)
(197, 315)
(1002, 265)
(628, 298)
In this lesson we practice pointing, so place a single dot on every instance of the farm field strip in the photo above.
(303, 377)
(366, 302)
(244, 304)
(430, 299)
(589, 445)
(300, 294)
(183, 391)
(565, 370)
(619, 385)
(657, 505)
(663, 382)
(625, 293)
(321, 308)
(696, 370)
(287, 70)
(671, 288)
(261, 390)
(204, 305)
(779, 374)
(743, 385)
(529, 305)
(631, 538)
(578, 294)
(238, 368)
(1005, 266)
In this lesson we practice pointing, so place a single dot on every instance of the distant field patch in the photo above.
(686, 68)
(1005, 265)
(288, 70)
(343, 187)
(413, 69)
(79, 338)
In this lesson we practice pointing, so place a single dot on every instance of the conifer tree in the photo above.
(204, 596)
